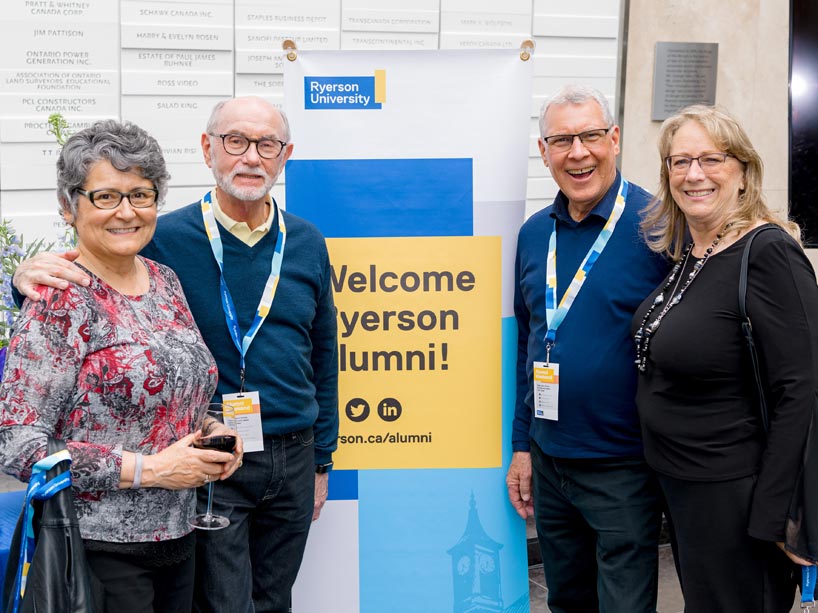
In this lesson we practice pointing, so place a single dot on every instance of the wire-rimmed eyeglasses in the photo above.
(708, 162)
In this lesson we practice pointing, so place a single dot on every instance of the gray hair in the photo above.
(125, 145)
(576, 94)
(213, 121)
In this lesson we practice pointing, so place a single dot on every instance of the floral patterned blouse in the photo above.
(107, 372)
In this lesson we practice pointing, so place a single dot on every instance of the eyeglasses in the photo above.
(563, 142)
(708, 162)
(107, 199)
(236, 144)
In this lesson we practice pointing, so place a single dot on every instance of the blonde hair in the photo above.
(664, 225)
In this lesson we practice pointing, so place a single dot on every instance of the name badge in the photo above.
(243, 414)
(546, 390)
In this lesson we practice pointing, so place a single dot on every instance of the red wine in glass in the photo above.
(219, 442)
(210, 419)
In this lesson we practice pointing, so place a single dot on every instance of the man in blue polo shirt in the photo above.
(581, 271)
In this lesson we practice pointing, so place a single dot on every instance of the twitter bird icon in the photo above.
(357, 409)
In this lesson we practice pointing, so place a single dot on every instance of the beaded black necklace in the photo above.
(645, 332)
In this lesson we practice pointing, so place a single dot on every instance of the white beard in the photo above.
(245, 193)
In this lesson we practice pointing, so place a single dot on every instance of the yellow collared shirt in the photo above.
(240, 229)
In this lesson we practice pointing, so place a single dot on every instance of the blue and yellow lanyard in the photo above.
(556, 314)
(38, 489)
(230, 315)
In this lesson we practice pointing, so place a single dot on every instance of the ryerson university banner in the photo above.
(413, 165)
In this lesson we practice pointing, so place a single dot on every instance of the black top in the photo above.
(696, 400)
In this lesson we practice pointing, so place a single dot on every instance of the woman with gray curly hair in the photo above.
(119, 371)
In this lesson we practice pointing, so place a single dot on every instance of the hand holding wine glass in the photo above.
(215, 435)
(212, 433)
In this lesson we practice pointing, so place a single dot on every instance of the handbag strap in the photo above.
(39, 488)
(747, 326)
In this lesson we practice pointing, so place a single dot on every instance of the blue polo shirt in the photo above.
(594, 348)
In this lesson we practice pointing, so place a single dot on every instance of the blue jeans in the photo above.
(598, 525)
(251, 565)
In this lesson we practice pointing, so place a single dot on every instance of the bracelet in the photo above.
(137, 472)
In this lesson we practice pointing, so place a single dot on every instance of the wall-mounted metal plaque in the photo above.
(684, 74)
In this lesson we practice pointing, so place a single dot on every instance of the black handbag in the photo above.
(801, 535)
(58, 578)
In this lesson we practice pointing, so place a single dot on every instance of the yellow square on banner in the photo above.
(419, 339)
(380, 86)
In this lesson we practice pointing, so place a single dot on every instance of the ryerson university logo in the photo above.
(345, 92)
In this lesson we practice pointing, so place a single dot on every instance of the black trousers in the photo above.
(722, 568)
(123, 586)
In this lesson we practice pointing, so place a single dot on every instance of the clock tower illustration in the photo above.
(476, 568)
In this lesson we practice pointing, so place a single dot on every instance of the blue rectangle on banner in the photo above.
(340, 93)
(343, 485)
(415, 527)
(383, 198)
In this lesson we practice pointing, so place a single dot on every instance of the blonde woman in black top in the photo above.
(727, 484)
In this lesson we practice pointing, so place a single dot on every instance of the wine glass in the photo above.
(221, 442)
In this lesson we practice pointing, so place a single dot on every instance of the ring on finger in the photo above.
(206, 478)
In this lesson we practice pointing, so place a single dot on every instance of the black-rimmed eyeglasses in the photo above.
(107, 199)
(563, 142)
(236, 144)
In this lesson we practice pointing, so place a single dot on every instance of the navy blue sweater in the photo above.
(293, 360)
(594, 348)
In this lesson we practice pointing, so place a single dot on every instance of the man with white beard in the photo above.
(258, 283)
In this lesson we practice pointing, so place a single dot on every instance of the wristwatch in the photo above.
(320, 469)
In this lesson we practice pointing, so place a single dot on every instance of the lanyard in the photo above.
(38, 489)
(230, 315)
(808, 586)
(556, 314)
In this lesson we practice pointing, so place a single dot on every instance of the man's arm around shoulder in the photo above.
(55, 270)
